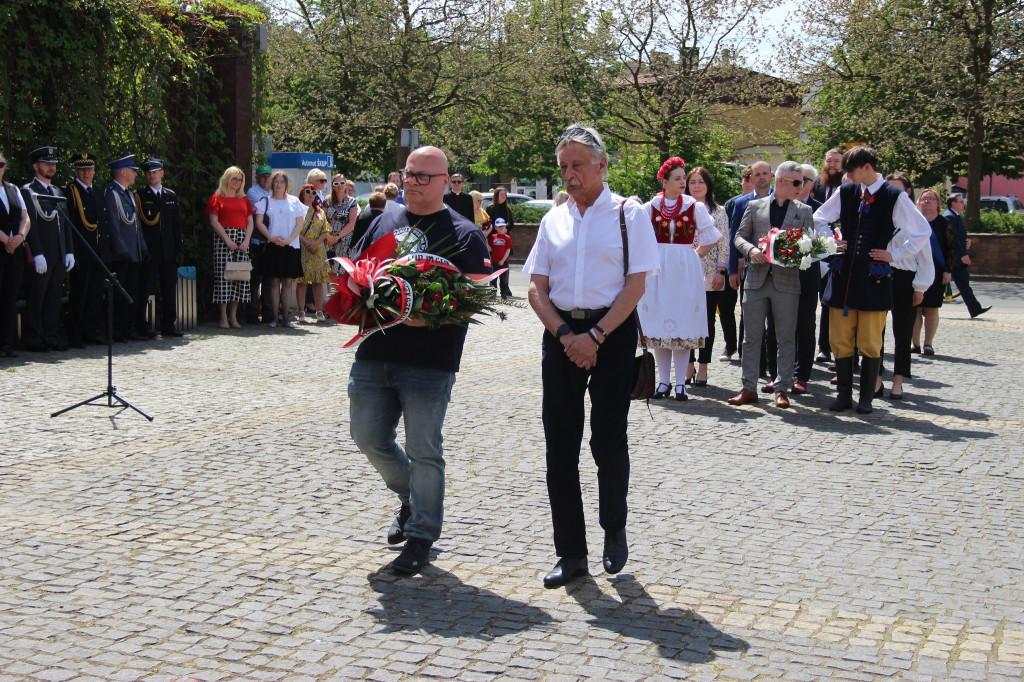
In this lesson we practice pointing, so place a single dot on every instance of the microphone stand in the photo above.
(113, 399)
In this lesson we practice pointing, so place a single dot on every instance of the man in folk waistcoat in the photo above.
(859, 290)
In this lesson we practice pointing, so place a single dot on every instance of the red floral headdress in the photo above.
(669, 166)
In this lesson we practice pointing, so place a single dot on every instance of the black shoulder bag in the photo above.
(643, 364)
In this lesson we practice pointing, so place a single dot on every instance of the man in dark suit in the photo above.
(810, 284)
(727, 301)
(161, 228)
(50, 241)
(768, 285)
(459, 200)
(827, 184)
(127, 245)
(88, 212)
(954, 207)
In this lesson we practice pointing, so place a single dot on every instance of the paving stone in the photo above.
(241, 534)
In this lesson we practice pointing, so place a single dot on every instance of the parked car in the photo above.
(539, 203)
(1004, 204)
(510, 198)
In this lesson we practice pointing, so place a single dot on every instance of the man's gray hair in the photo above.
(788, 168)
(588, 137)
(809, 171)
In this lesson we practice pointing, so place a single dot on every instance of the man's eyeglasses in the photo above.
(3, 164)
(457, 182)
(796, 183)
(808, 181)
(419, 178)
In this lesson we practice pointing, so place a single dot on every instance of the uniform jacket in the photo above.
(87, 209)
(755, 224)
(161, 224)
(51, 238)
(126, 238)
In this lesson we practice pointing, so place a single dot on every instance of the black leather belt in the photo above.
(583, 313)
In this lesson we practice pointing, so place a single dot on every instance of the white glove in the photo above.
(69, 261)
(40, 264)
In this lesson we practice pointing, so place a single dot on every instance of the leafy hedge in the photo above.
(115, 77)
(527, 214)
(993, 222)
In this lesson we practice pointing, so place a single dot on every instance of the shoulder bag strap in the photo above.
(625, 267)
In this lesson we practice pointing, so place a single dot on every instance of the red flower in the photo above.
(424, 266)
(438, 297)
(426, 305)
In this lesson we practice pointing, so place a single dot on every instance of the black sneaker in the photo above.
(413, 558)
(396, 533)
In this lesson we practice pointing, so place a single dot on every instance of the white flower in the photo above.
(804, 244)
(829, 245)
(805, 262)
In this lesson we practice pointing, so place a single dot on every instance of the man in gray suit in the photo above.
(770, 285)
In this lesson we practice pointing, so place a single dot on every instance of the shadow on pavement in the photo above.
(439, 603)
(680, 634)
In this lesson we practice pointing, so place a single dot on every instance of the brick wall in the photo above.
(997, 255)
(234, 73)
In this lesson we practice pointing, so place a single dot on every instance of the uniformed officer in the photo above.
(14, 227)
(88, 212)
(128, 248)
(161, 226)
(51, 243)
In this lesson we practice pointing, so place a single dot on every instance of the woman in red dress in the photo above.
(230, 214)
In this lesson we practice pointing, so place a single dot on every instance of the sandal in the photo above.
(914, 348)
(928, 350)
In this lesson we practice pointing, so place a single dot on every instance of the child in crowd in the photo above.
(499, 243)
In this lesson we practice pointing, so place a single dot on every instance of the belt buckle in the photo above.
(578, 314)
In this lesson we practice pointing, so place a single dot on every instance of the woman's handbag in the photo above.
(237, 271)
(643, 364)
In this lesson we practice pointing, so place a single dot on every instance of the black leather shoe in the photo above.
(77, 343)
(616, 551)
(397, 532)
(567, 569)
(413, 558)
(981, 312)
(662, 393)
(173, 333)
(94, 340)
(59, 346)
(8, 351)
(132, 336)
(145, 334)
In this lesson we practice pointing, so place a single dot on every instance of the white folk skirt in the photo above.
(673, 310)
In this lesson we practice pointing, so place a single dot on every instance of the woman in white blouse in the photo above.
(279, 220)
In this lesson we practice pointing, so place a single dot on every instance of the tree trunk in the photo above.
(401, 153)
(975, 151)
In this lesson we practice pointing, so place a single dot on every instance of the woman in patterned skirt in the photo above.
(341, 216)
(230, 215)
(313, 238)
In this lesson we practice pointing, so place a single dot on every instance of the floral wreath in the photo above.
(669, 166)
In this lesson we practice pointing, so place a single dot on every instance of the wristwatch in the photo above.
(562, 331)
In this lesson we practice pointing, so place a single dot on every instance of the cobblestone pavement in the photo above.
(241, 535)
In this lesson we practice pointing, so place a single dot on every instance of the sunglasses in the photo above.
(796, 183)
(3, 164)
(457, 182)
(338, 184)
(309, 191)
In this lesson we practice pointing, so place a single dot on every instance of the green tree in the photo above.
(937, 86)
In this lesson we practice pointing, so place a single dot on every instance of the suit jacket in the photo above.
(820, 193)
(959, 231)
(51, 238)
(126, 240)
(462, 203)
(739, 206)
(755, 224)
(161, 224)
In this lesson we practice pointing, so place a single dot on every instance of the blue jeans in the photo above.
(379, 394)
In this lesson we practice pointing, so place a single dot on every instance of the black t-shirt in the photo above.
(444, 233)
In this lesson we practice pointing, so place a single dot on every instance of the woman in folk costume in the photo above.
(673, 310)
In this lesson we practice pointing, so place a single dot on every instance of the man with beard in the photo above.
(828, 183)
(50, 241)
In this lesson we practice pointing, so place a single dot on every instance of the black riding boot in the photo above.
(868, 379)
(844, 385)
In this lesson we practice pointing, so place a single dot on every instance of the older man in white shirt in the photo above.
(584, 293)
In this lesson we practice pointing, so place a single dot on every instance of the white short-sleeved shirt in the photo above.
(582, 255)
(283, 213)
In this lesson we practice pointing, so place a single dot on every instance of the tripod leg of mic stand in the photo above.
(115, 396)
(84, 402)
